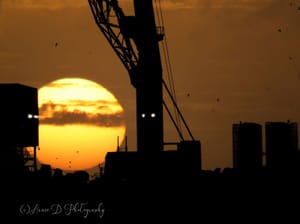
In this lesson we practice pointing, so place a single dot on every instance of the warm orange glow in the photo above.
(79, 123)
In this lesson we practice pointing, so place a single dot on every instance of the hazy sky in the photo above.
(232, 60)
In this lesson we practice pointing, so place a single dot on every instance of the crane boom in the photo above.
(108, 16)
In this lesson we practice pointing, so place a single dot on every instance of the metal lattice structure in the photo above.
(112, 22)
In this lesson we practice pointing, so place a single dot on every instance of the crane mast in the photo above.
(135, 40)
(149, 80)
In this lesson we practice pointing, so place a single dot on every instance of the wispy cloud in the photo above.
(44, 4)
(100, 107)
(49, 114)
(71, 83)
(165, 4)
(78, 117)
(177, 4)
(212, 4)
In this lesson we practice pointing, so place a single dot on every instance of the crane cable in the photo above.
(169, 71)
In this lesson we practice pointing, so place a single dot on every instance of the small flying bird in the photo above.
(218, 99)
(279, 30)
(56, 44)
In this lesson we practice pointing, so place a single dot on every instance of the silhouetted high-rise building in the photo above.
(281, 145)
(247, 147)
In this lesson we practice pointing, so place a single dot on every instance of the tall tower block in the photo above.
(281, 145)
(247, 147)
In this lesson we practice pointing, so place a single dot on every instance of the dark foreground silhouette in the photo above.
(220, 195)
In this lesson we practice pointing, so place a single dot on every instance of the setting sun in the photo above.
(80, 122)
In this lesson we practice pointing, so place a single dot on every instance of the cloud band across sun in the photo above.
(59, 115)
(75, 101)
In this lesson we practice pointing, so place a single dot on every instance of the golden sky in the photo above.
(245, 53)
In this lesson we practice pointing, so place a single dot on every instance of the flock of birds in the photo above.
(292, 3)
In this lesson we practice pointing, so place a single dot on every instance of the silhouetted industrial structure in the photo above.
(135, 39)
(281, 145)
(247, 147)
(19, 123)
(151, 183)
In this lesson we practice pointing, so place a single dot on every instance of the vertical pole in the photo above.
(118, 144)
(34, 159)
(126, 147)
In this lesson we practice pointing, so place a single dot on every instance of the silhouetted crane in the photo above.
(135, 39)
